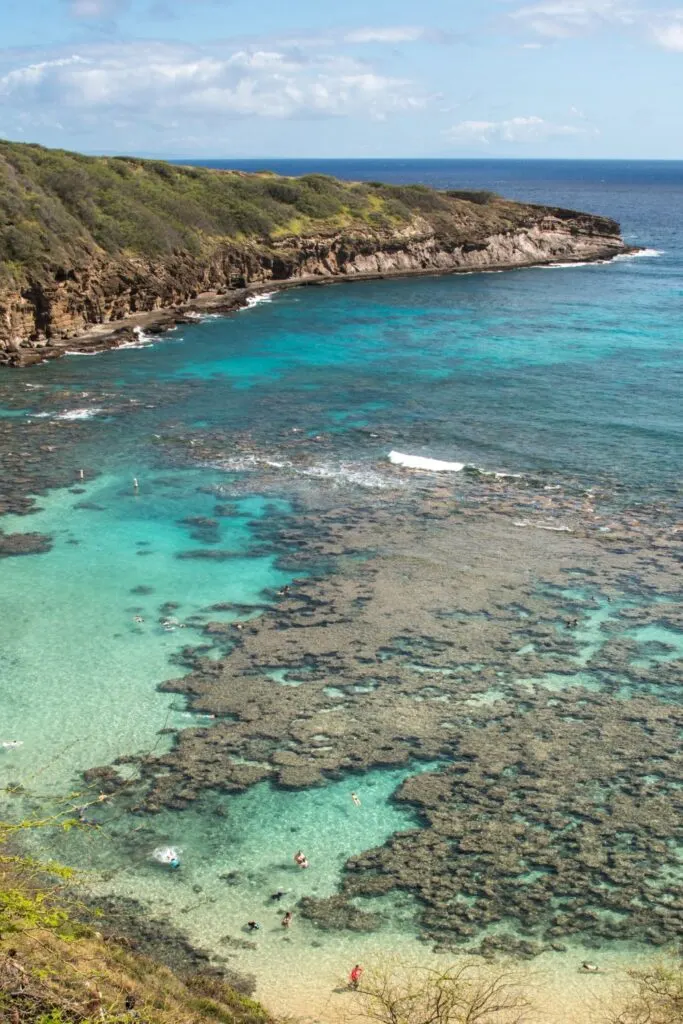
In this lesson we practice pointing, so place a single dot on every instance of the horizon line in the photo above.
(375, 159)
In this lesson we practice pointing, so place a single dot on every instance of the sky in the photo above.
(360, 78)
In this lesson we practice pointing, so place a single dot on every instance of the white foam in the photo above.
(11, 744)
(142, 340)
(167, 854)
(240, 463)
(418, 462)
(76, 352)
(79, 414)
(350, 473)
(497, 474)
(256, 300)
(553, 527)
(566, 266)
(642, 253)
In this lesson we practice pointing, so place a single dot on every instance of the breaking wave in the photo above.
(647, 253)
(256, 300)
(142, 340)
(418, 462)
(79, 414)
(350, 473)
(355, 473)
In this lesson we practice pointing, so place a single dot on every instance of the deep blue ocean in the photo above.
(569, 374)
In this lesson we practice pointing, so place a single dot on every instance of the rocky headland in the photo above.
(92, 248)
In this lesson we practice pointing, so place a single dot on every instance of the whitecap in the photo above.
(77, 352)
(418, 462)
(256, 300)
(647, 253)
(79, 414)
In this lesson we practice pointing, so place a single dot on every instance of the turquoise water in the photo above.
(572, 375)
(78, 672)
(535, 370)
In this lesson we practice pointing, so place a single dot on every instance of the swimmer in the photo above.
(253, 926)
(590, 968)
(138, 618)
(287, 919)
(299, 856)
(356, 799)
(304, 863)
(11, 744)
(277, 895)
(174, 864)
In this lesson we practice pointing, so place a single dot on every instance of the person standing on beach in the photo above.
(355, 976)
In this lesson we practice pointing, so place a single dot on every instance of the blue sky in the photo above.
(363, 78)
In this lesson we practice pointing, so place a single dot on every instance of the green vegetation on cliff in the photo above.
(92, 240)
(63, 959)
(57, 208)
(55, 969)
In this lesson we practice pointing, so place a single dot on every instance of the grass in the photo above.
(54, 969)
(59, 209)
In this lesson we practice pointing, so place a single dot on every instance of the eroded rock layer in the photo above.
(86, 242)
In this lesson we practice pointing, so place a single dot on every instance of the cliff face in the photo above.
(78, 273)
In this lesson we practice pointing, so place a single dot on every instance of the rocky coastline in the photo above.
(94, 249)
(156, 302)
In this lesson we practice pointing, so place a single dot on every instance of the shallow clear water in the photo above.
(574, 373)
(78, 672)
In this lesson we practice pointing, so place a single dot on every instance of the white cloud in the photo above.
(566, 19)
(562, 19)
(160, 83)
(32, 75)
(97, 10)
(390, 34)
(511, 130)
(669, 33)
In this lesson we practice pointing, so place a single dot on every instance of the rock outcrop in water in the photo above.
(90, 241)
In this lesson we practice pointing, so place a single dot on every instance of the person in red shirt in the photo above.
(355, 976)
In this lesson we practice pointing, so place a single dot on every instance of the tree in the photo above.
(395, 992)
(655, 996)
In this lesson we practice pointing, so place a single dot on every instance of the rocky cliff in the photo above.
(98, 241)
